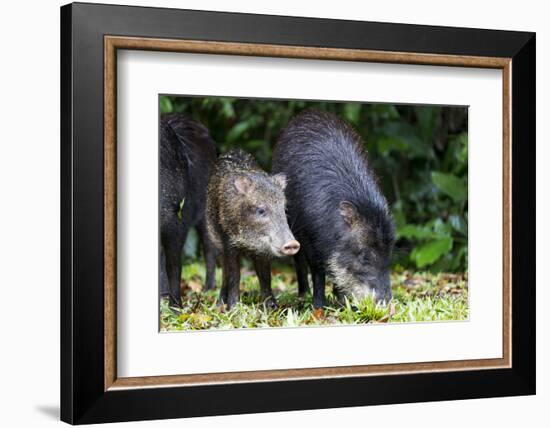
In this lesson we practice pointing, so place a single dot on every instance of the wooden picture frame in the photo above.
(91, 390)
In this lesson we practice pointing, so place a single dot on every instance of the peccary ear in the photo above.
(280, 179)
(349, 212)
(243, 185)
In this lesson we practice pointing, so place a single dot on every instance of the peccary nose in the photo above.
(291, 247)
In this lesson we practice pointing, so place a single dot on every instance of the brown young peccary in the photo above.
(246, 216)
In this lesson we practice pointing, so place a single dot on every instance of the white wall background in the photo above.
(29, 213)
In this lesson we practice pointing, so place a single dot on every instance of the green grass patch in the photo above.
(417, 297)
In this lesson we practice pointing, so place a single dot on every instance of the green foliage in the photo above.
(420, 154)
(417, 297)
(451, 185)
(431, 251)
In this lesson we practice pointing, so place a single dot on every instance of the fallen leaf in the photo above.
(195, 286)
(199, 320)
(319, 313)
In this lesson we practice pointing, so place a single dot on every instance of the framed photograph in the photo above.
(267, 213)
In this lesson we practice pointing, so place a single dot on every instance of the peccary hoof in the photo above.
(176, 310)
(228, 306)
(174, 305)
(209, 286)
(270, 303)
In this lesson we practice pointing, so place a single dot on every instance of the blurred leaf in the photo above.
(237, 132)
(352, 112)
(254, 145)
(399, 215)
(391, 112)
(450, 185)
(412, 231)
(227, 108)
(458, 223)
(408, 139)
(427, 120)
(428, 253)
(461, 155)
(387, 144)
(384, 111)
(165, 104)
(440, 227)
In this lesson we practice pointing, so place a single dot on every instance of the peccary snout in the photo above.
(291, 248)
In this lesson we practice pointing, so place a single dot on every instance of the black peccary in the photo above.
(335, 207)
(246, 215)
(187, 155)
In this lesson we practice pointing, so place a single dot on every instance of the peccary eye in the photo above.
(260, 211)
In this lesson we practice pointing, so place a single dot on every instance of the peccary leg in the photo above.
(229, 293)
(300, 263)
(210, 253)
(263, 270)
(318, 288)
(172, 246)
(164, 289)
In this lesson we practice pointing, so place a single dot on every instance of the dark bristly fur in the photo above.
(187, 154)
(246, 215)
(335, 207)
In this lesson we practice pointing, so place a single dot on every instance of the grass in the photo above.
(417, 297)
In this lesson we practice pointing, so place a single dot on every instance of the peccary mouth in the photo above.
(352, 285)
(277, 253)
